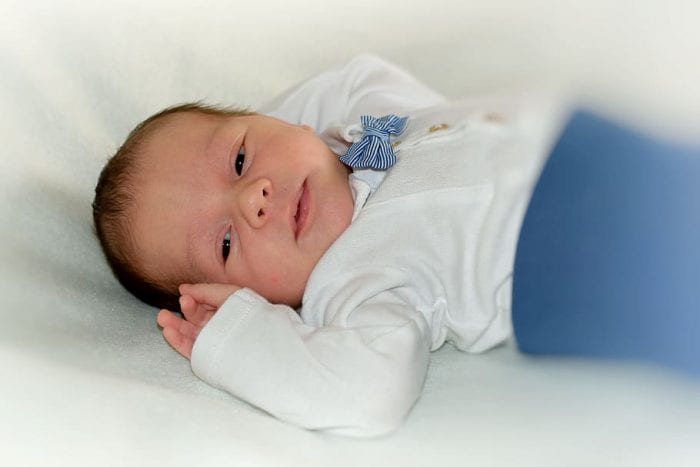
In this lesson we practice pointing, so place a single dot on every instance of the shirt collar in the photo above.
(363, 184)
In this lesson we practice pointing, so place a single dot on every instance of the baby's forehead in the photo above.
(185, 120)
(181, 128)
(186, 137)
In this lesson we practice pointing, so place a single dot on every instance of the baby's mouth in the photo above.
(302, 211)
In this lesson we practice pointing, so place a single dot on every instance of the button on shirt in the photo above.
(427, 258)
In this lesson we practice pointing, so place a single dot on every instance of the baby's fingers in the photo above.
(170, 320)
(179, 333)
(213, 295)
(177, 341)
(195, 312)
(189, 308)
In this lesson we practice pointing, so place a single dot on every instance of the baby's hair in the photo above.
(115, 196)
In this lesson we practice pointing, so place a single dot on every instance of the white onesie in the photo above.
(427, 259)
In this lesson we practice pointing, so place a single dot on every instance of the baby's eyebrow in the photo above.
(190, 247)
(214, 137)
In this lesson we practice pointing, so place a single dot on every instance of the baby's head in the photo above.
(201, 194)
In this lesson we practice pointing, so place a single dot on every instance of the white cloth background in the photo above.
(86, 379)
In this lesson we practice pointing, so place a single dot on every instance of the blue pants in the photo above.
(608, 259)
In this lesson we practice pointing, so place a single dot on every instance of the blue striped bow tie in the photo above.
(374, 150)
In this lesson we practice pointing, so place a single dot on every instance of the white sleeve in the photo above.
(358, 377)
(365, 85)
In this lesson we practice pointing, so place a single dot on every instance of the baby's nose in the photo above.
(254, 201)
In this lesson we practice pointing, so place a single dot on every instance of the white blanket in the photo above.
(85, 376)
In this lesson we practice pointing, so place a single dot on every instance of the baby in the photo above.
(318, 254)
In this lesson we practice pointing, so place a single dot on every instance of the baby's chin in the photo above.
(285, 289)
(289, 298)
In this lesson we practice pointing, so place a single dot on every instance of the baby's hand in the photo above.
(198, 303)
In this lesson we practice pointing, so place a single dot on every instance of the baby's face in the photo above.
(251, 201)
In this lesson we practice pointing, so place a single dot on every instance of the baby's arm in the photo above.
(357, 375)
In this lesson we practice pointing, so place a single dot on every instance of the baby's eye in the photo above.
(226, 245)
(240, 161)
